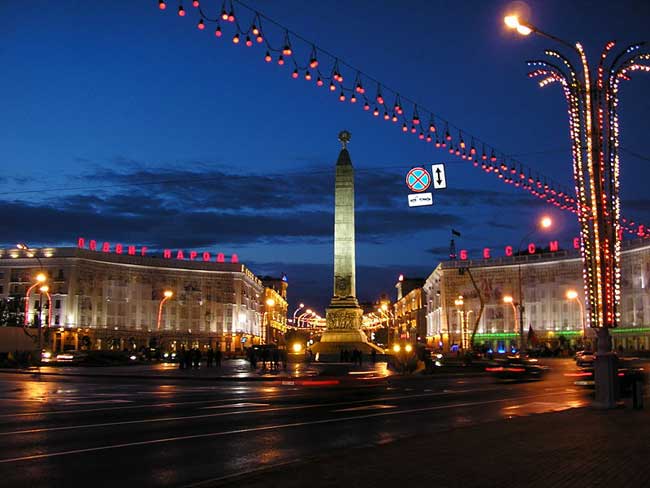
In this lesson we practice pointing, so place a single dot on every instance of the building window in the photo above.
(57, 304)
(56, 320)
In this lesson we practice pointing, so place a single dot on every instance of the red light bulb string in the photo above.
(503, 168)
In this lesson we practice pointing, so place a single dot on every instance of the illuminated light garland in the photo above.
(315, 62)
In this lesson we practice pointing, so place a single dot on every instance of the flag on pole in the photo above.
(454, 232)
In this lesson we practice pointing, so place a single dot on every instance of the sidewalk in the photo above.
(575, 448)
(230, 370)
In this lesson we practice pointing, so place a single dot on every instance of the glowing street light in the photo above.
(302, 305)
(167, 294)
(573, 295)
(513, 22)
(545, 222)
(396, 348)
(507, 299)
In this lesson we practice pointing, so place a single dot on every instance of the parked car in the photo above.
(517, 368)
(627, 374)
(585, 358)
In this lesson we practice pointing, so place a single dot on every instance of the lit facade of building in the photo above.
(105, 300)
(275, 309)
(545, 280)
(410, 310)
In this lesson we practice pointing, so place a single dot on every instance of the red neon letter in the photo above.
(92, 245)
(554, 246)
(641, 232)
(143, 250)
(463, 254)
(508, 250)
(206, 256)
(531, 248)
(167, 253)
(81, 243)
(119, 248)
(234, 259)
(486, 253)
(193, 254)
(576, 243)
(106, 247)
(131, 250)
(221, 258)
(180, 255)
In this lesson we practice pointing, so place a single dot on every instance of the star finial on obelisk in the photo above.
(344, 137)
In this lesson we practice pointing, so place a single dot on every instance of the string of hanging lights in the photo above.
(324, 68)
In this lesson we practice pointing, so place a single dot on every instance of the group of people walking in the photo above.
(191, 358)
(275, 358)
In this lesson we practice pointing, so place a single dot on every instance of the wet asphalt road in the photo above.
(67, 431)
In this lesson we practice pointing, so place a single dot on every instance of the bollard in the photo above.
(637, 394)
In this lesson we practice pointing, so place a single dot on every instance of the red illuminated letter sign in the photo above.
(106, 247)
(234, 259)
(180, 255)
(119, 248)
(206, 256)
(81, 243)
(463, 254)
(193, 254)
(143, 250)
(92, 245)
(576, 243)
(131, 250)
(486, 253)
(508, 250)
(554, 246)
(221, 258)
(531, 248)
(167, 253)
(641, 231)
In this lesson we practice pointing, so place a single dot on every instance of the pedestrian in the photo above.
(197, 358)
(181, 358)
(217, 356)
(373, 356)
(276, 359)
(210, 357)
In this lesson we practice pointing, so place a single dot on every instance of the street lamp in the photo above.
(544, 223)
(594, 130)
(573, 295)
(43, 289)
(167, 294)
(302, 305)
(459, 302)
(508, 299)
(270, 303)
(40, 279)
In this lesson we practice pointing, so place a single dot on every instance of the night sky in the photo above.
(123, 123)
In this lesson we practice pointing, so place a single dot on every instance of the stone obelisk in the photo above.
(344, 314)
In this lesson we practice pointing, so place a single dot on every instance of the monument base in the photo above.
(343, 332)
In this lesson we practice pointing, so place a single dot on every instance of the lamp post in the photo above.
(573, 295)
(508, 299)
(459, 302)
(167, 294)
(544, 223)
(390, 321)
(594, 133)
(270, 303)
(302, 305)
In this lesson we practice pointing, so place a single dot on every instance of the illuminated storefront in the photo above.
(122, 297)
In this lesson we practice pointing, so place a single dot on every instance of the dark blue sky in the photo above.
(96, 95)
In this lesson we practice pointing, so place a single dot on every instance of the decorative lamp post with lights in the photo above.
(167, 294)
(270, 304)
(302, 305)
(592, 99)
(543, 224)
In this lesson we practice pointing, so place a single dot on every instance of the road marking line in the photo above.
(237, 405)
(261, 429)
(222, 414)
(365, 407)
